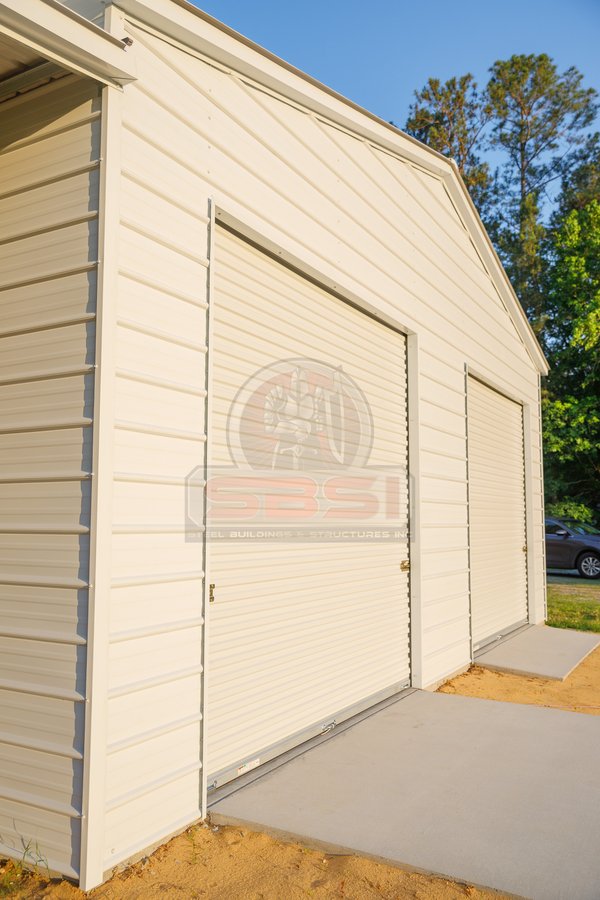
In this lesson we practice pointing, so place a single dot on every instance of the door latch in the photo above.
(405, 565)
(211, 593)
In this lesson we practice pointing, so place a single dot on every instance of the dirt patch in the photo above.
(229, 863)
(580, 692)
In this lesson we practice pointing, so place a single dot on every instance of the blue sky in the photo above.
(377, 53)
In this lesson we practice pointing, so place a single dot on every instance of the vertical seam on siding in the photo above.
(413, 400)
(96, 691)
(205, 612)
(543, 494)
(468, 509)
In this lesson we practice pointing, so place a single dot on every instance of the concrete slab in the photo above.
(497, 794)
(542, 651)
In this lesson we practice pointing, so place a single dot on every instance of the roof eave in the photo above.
(66, 38)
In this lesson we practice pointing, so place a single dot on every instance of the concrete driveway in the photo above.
(497, 794)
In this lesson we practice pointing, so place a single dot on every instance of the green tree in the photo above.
(572, 393)
(540, 120)
(582, 183)
(451, 118)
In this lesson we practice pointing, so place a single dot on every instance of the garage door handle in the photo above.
(524, 548)
(405, 565)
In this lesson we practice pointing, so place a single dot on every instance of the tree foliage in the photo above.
(541, 205)
(572, 392)
(451, 118)
(582, 182)
(539, 120)
(570, 509)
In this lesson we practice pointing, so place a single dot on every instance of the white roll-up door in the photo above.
(302, 632)
(496, 513)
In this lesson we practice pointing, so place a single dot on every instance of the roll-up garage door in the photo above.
(309, 624)
(496, 513)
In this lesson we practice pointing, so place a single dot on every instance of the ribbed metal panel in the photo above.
(366, 219)
(15, 58)
(153, 784)
(496, 513)
(48, 204)
(300, 634)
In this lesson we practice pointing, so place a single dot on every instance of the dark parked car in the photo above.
(573, 545)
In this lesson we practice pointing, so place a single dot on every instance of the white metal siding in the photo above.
(381, 229)
(536, 539)
(300, 633)
(496, 513)
(361, 217)
(48, 248)
(376, 225)
(153, 773)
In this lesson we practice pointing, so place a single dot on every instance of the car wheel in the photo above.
(588, 564)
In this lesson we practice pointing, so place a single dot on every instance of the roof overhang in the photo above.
(53, 32)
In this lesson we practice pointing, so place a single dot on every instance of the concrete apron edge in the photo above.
(243, 781)
(499, 640)
(509, 670)
(340, 850)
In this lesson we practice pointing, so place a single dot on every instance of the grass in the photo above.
(575, 605)
(10, 877)
(13, 872)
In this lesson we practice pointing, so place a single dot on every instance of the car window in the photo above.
(554, 527)
(583, 528)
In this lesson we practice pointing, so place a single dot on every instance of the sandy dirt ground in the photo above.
(228, 863)
(233, 864)
(580, 692)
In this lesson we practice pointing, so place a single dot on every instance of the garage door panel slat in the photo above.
(498, 562)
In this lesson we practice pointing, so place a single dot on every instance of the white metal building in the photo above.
(180, 210)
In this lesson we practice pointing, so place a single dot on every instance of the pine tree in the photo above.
(451, 118)
(539, 119)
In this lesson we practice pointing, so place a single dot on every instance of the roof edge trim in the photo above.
(483, 244)
(62, 36)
